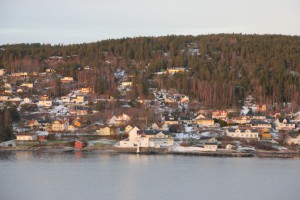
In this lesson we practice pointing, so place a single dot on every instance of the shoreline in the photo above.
(158, 151)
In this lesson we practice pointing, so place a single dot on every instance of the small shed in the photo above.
(42, 138)
(78, 144)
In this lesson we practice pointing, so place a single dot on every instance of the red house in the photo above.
(42, 138)
(78, 145)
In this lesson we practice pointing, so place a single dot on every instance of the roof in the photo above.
(259, 122)
(211, 143)
(185, 118)
(281, 120)
(206, 137)
(25, 134)
(242, 130)
(153, 132)
(171, 118)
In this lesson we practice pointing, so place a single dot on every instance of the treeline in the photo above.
(8, 115)
(223, 68)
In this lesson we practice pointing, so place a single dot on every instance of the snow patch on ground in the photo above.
(101, 141)
(189, 149)
(206, 134)
(182, 136)
(188, 128)
(244, 110)
(59, 110)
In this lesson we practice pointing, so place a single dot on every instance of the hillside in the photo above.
(220, 70)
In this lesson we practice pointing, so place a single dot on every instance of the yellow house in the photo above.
(171, 120)
(108, 130)
(205, 122)
(44, 97)
(79, 99)
(71, 128)
(77, 123)
(126, 83)
(61, 125)
(29, 85)
(86, 90)
(262, 108)
(265, 133)
(20, 74)
(66, 79)
(176, 70)
(32, 123)
(128, 128)
(211, 146)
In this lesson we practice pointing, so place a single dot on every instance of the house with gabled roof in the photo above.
(32, 123)
(120, 120)
(147, 138)
(260, 124)
(60, 125)
(293, 139)
(284, 124)
(220, 114)
(26, 136)
(170, 120)
(127, 128)
(242, 133)
(108, 130)
(67, 79)
(204, 121)
(241, 120)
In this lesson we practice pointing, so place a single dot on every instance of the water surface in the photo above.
(85, 176)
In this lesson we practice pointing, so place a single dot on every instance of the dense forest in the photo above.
(7, 117)
(221, 69)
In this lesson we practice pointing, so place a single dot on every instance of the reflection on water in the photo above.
(94, 175)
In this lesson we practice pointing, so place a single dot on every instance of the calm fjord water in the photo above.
(89, 176)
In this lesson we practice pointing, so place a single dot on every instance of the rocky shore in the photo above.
(161, 151)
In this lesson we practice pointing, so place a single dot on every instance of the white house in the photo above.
(211, 146)
(147, 138)
(65, 99)
(122, 119)
(260, 124)
(9, 98)
(7, 86)
(284, 124)
(2, 72)
(242, 133)
(29, 85)
(27, 100)
(241, 120)
(45, 103)
(293, 140)
(79, 99)
(184, 99)
(26, 136)
(71, 128)
(66, 79)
